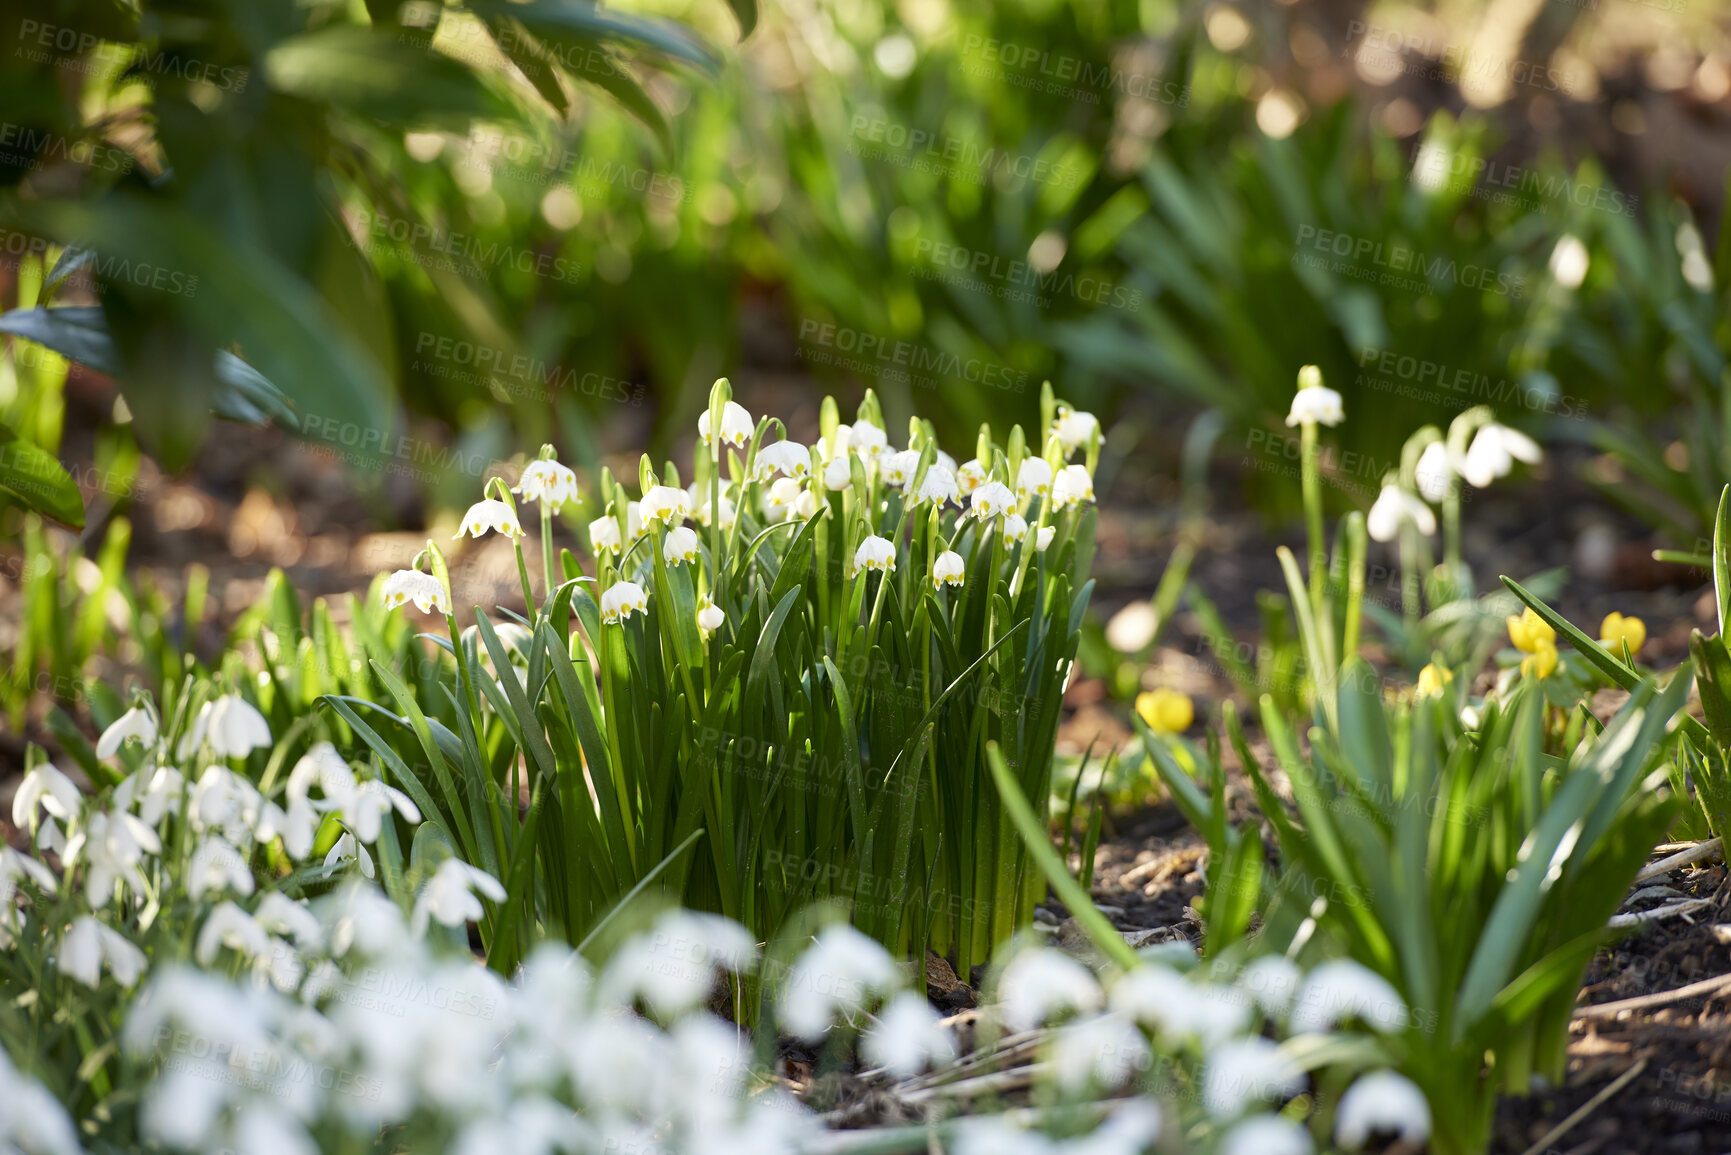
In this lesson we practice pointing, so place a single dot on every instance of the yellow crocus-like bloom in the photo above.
(1617, 629)
(1531, 633)
(1542, 662)
(1432, 679)
(1166, 711)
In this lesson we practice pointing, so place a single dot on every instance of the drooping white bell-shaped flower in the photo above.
(948, 569)
(938, 486)
(411, 585)
(992, 500)
(90, 944)
(604, 536)
(621, 600)
(45, 787)
(232, 725)
(679, 546)
(867, 440)
(490, 514)
(666, 504)
(450, 896)
(1043, 539)
(1434, 473)
(789, 458)
(907, 1037)
(898, 468)
(875, 553)
(736, 426)
(1033, 479)
(1072, 486)
(1015, 529)
(837, 475)
(1494, 451)
(1382, 1103)
(1314, 401)
(709, 616)
(135, 723)
(1074, 429)
(1393, 508)
(546, 481)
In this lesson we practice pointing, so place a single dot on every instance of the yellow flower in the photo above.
(1432, 679)
(1531, 633)
(1617, 629)
(1166, 711)
(1542, 663)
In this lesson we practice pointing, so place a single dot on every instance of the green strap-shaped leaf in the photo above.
(35, 477)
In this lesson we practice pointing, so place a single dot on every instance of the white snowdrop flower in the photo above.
(938, 486)
(1393, 508)
(14, 865)
(633, 521)
(1381, 1103)
(1015, 529)
(1494, 451)
(1131, 1129)
(830, 448)
(217, 866)
(1041, 983)
(266, 1126)
(992, 499)
(1343, 989)
(898, 468)
(867, 440)
(875, 553)
(834, 975)
(1034, 479)
(1314, 401)
(604, 536)
(546, 481)
(1074, 429)
(679, 546)
(1098, 1050)
(231, 724)
(371, 801)
(155, 790)
(489, 514)
(223, 800)
(231, 927)
(907, 1037)
(783, 495)
(971, 476)
(736, 425)
(806, 507)
(1043, 539)
(135, 723)
(348, 849)
(46, 787)
(450, 895)
(296, 826)
(1271, 982)
(1267, 1135)
(1434, 473)
(1072, 486)
(411, 585)
(111, 846)
(282, 915)
(1245, 1071)
(88, 945)
(1161, 998)
(784, 457)
(728, 513)
(321, 766)
(837, 475)
(709, 615)
(666, 504)
(1569, 261)
(673, 966)
(363, 920)
(948, 569)
(32, 1119)
(996, 1135)
(621, 600)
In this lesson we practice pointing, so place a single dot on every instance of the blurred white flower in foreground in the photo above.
(834, 976)
(47, 787)
(1381, 1103)
(217, 866)
(867, 440)
(1247, 1070)
(673, 966)
(411, 585)
(1165, 1000)
(1343, 989)
(111, 846)
(1494, 451)
(490, 514)
(1101, 1050)
(31, 1119)
(1039, 984)
(1267, 1135)
(1395, 507)
(135, 723)
(89, 944)
(908, 1036)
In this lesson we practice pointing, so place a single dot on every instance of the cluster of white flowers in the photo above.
(1101, 1035)
(785, 480)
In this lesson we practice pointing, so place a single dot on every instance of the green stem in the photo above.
(1312, 484)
